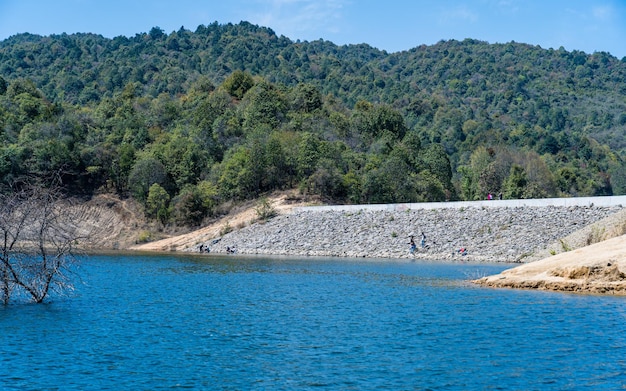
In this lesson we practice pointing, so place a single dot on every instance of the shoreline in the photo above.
(511, 235)
(527, 235)
(594, 269)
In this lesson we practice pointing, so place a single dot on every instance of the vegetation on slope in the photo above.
(187, 120)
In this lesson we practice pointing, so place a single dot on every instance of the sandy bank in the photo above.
(598, 268)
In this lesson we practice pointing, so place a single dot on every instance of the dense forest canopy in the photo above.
(186, 120)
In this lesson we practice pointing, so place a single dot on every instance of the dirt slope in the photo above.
(108, 222)
(281, 203)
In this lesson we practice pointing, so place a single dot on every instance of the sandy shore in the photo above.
(598, 268)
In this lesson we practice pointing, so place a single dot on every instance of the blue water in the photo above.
(230, 323)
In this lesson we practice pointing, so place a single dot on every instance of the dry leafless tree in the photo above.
(38, 241)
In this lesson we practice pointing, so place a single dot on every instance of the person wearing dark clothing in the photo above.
(412, 243)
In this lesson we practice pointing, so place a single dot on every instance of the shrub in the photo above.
(226, 228)
(264, 209)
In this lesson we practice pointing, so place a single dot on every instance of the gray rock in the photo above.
(492, 234)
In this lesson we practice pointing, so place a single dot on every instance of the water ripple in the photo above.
(152, 323)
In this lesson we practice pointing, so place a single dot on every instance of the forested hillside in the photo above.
(186, 120)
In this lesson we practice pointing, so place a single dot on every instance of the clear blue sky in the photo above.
(392, 25)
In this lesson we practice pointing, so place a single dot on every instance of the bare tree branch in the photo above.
(38, 243)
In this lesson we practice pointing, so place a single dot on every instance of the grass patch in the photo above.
(226, 228)
(144, 237)
(595, 235)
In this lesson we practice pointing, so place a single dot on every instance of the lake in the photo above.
(163, 322)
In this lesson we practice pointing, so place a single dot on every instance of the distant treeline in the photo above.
(185, 121)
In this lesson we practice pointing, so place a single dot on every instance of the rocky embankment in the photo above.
(493, 234)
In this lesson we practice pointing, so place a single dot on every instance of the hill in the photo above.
(232, 112)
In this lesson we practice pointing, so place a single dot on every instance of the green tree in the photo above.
(429, 188)
(121, 167)
(306, 98)
(393, 181)
(326, 181)
(157, 203)
(375, 121)
(617, 171)
(351, 182)
(184, 160)
(278, 172)
(307, 156)
(238, 83)
(12, 167)
(3, 85)
(386, 119)
(567, 179)
(438, 164)
(27, 103)
(163, 112)
(236, 175)
(515, 184)
(146, 172)
(480, 176)
(157, 33)
(205, 108)
(194, 203)
(264, 104)
(541, 181)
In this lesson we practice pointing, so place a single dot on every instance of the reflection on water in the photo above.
(233, 323)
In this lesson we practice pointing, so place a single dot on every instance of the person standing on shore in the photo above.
(412, 243)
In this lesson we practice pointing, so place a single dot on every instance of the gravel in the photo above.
(506, 234)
